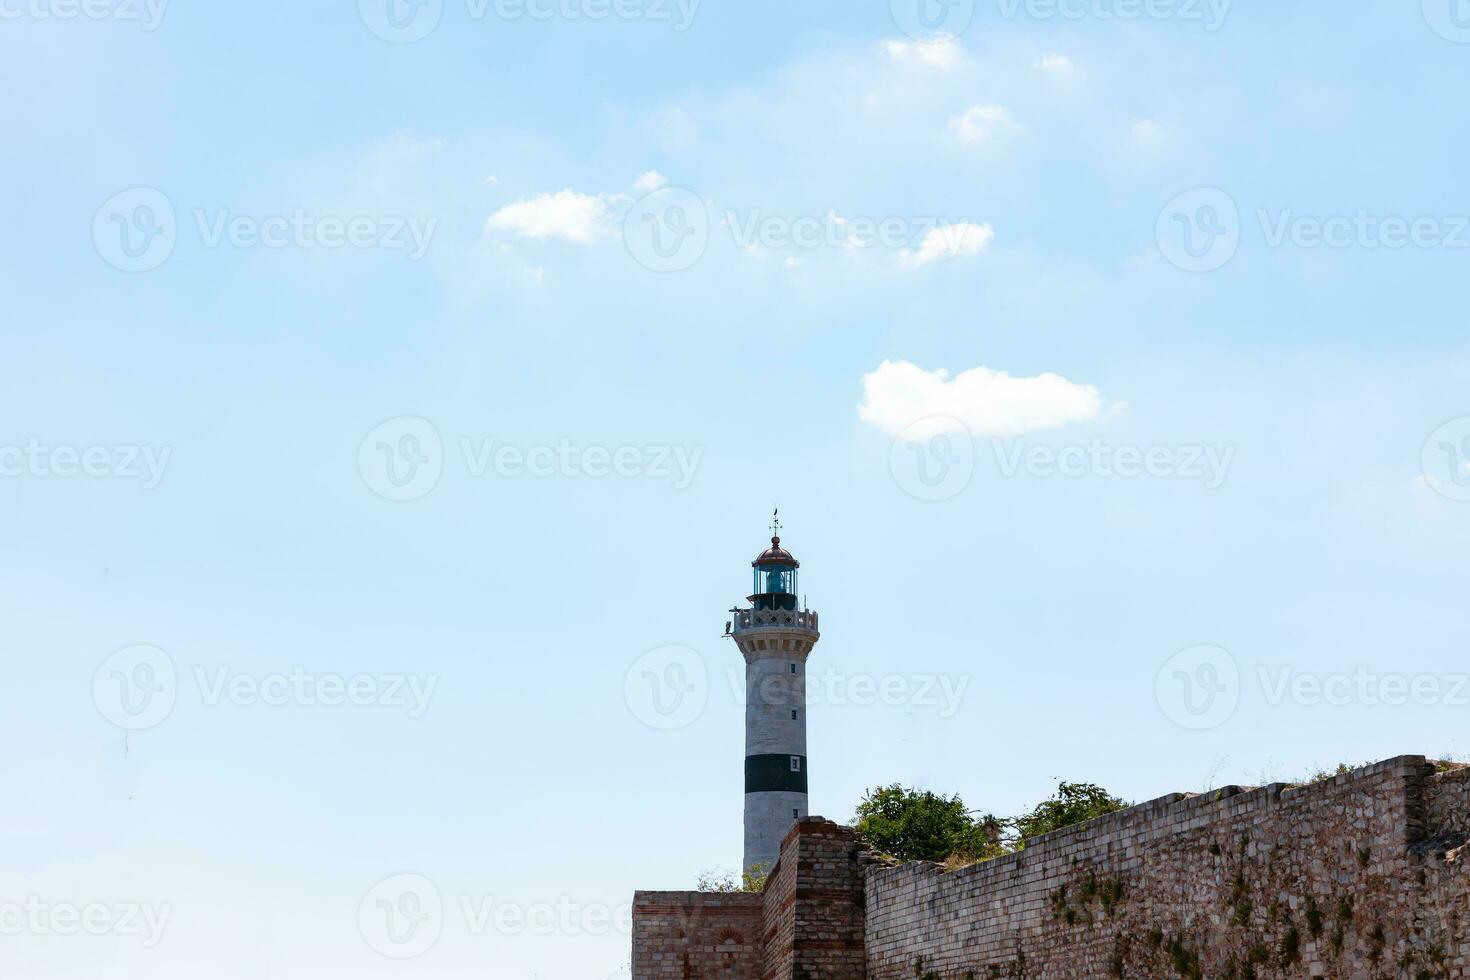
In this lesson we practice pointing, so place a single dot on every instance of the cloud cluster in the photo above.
(902, 397)
(943, 53)
(980, 123)
(568, 215)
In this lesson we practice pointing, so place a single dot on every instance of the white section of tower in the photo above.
(775, 644)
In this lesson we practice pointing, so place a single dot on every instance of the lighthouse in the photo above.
(775, 635)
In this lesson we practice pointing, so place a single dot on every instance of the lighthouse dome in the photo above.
(776, 555)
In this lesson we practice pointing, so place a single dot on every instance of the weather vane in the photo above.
(776, 522)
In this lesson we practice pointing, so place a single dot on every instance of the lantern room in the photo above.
(775, 578)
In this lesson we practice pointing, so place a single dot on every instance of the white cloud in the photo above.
(650, 182)
(902, 397)
(579, 218)
(979, 123)
(947, 242)
(792, 262)
(941, 52)
(1056, 64)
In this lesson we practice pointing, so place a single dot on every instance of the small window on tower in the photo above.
(793, 714)
(793, 668)
(795, 814)
(796, 763)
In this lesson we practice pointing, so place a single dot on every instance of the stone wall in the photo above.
(1355, 877)
(1359, 877)
(829, 906)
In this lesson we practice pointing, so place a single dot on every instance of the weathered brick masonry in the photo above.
(1360, 876)
(808, 923)
(679, 935)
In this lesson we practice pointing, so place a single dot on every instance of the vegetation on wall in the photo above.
(725, 883)
(1073, 803)
(920, 826)
(914, 825)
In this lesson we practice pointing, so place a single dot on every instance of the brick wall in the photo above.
(808, 925)
(1354, 877)
(829, 906)
(779, 931)
(689, 935)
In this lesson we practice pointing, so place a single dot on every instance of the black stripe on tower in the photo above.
(775, 774)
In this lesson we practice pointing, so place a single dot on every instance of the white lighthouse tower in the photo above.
(775, 635)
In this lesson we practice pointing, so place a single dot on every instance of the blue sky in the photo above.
(1110, 373)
